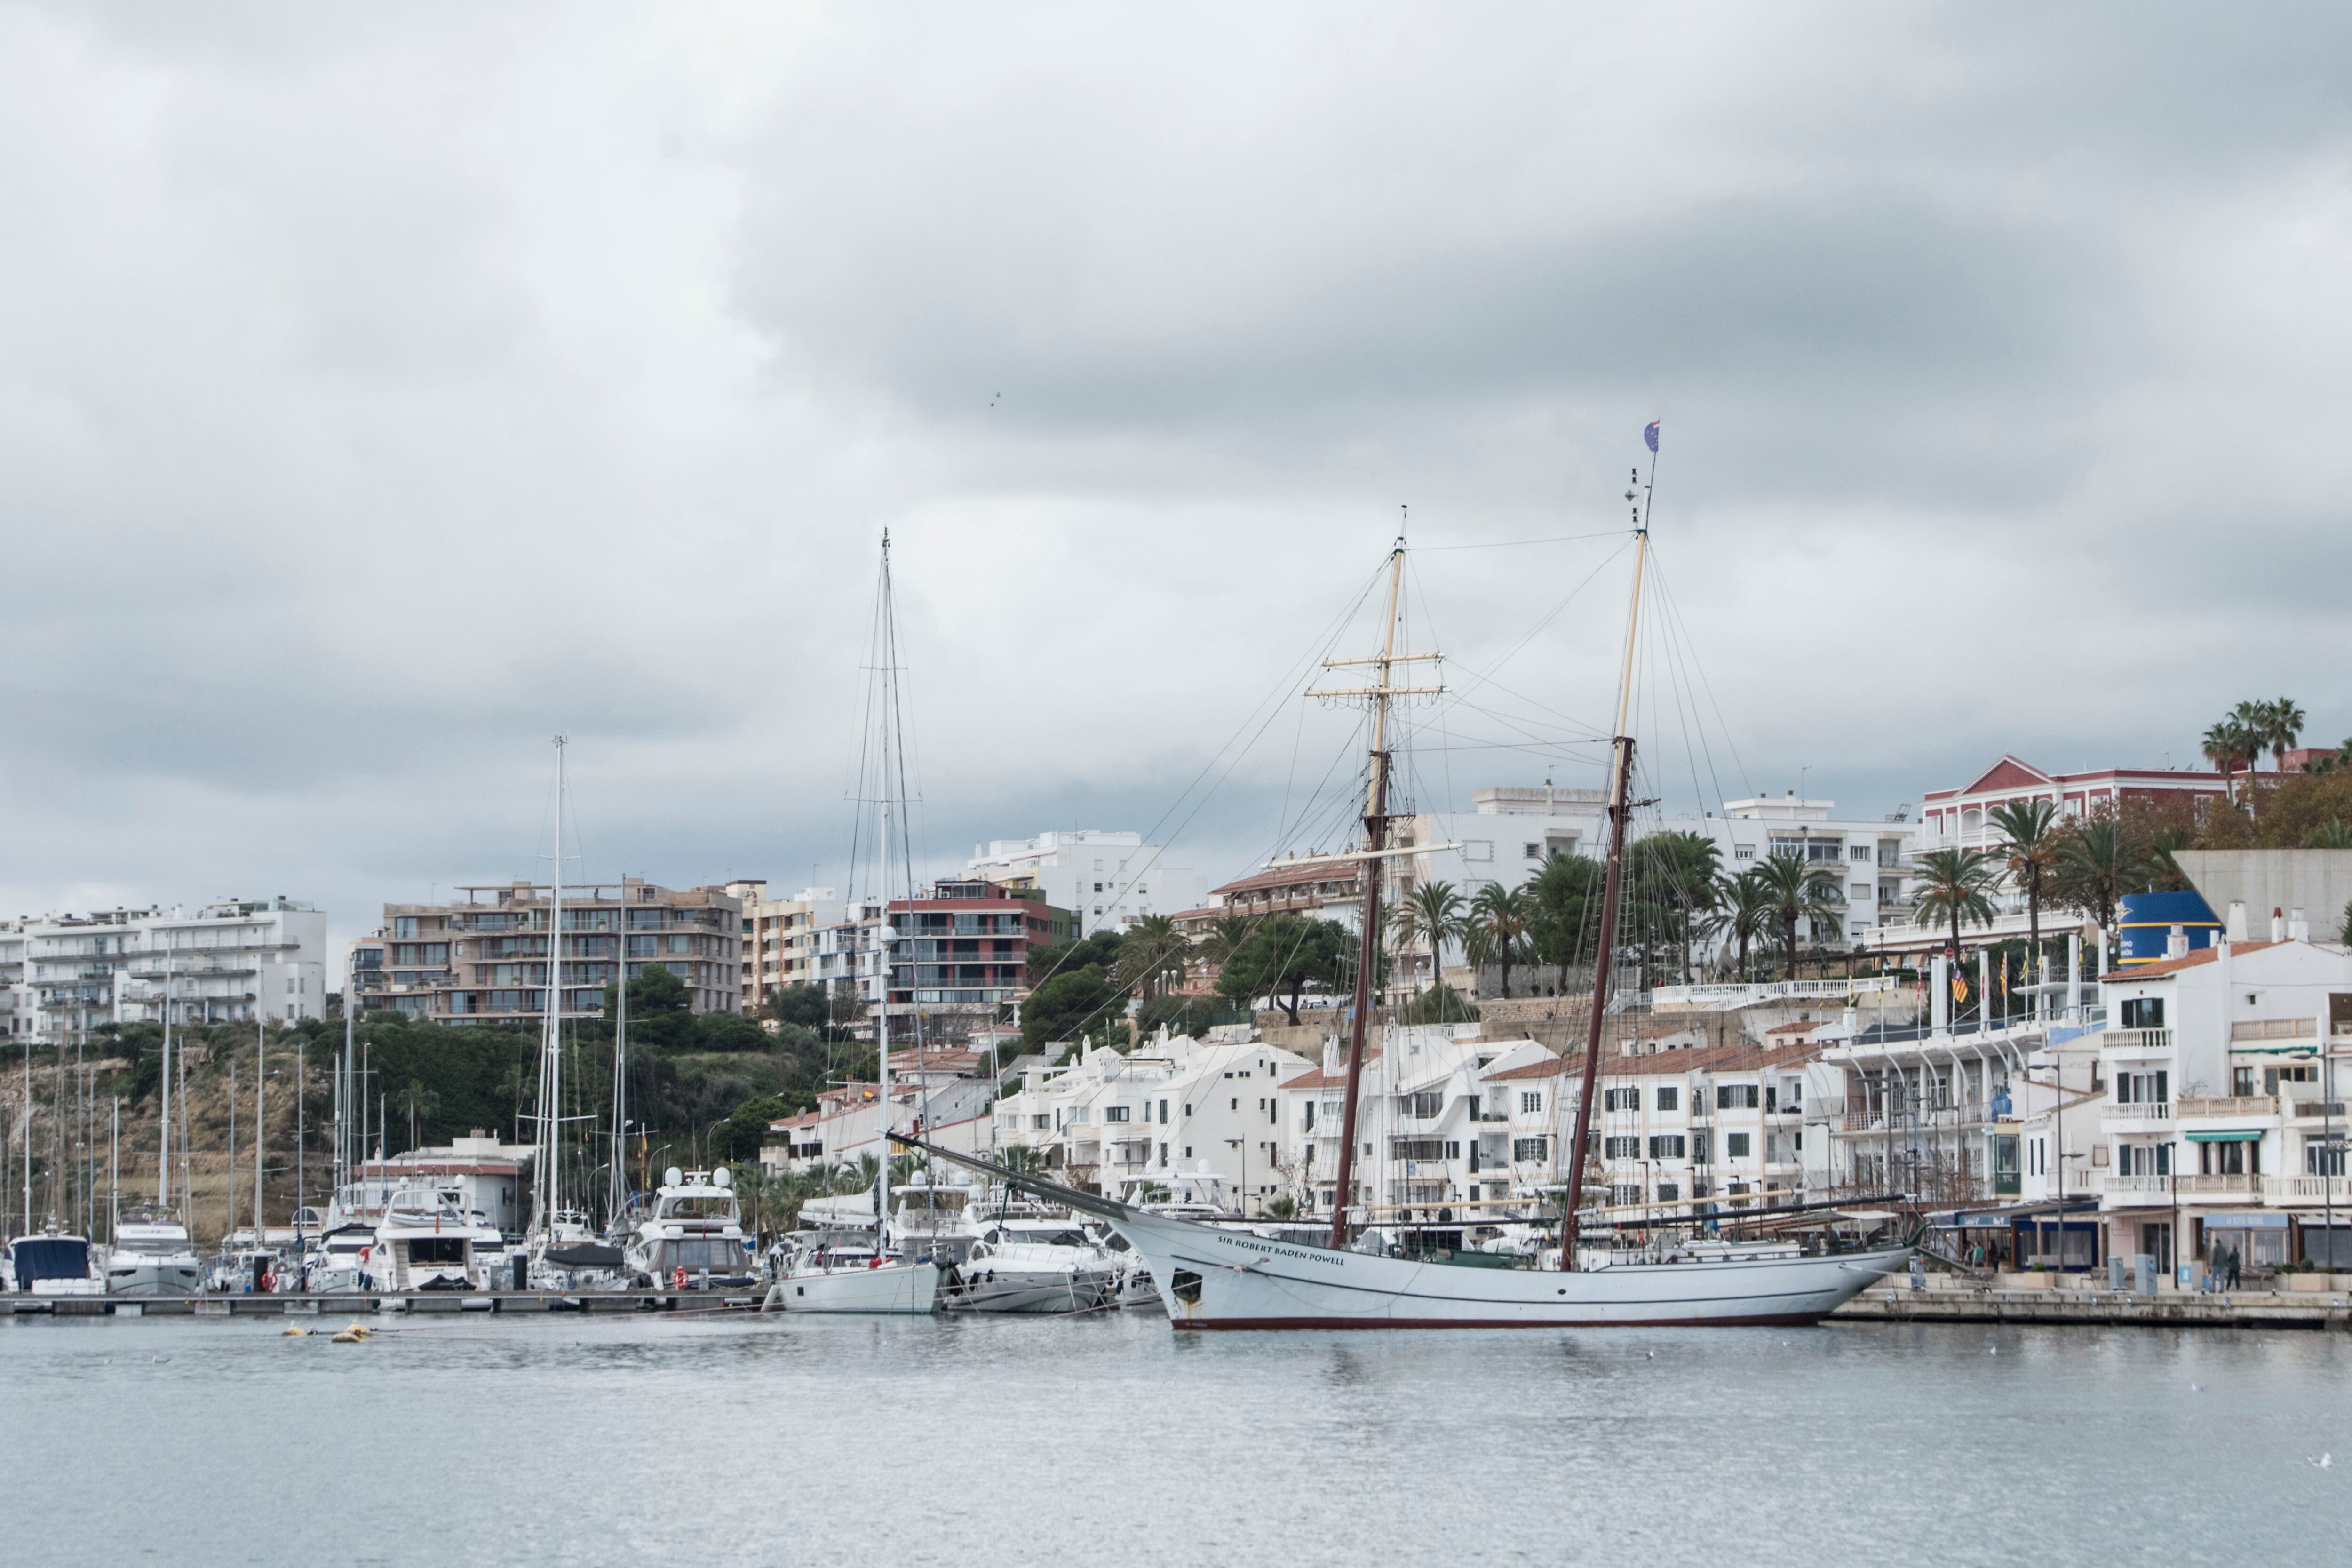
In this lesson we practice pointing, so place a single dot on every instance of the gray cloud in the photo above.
(382, 391)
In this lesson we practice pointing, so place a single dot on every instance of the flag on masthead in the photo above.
(1650, 435)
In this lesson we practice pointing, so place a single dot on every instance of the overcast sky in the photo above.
(384, 389)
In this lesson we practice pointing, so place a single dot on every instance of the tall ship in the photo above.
(1213, 1277)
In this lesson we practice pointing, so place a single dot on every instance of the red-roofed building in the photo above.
(1958, 818)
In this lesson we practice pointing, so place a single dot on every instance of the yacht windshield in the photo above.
(714, 1206)
(153, 1246)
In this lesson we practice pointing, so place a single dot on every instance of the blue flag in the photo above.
(1650, 435)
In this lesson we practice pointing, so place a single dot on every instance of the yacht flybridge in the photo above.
(692, 1235)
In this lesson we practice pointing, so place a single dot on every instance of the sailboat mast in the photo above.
(1367, 939)
(547, 1188)
(1621, 779)
(163, 1158)
(884, 715)
(344, 1081)
(619, 1195)
(260, 1104)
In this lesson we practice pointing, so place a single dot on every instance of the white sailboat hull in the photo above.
(912, 1288)
(1217, 1278)
(1023, 1290)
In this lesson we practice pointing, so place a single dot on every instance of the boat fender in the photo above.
(678, 1278)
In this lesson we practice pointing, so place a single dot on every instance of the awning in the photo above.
(2305, 1049)
(2245, 1222)
(2247, 1135)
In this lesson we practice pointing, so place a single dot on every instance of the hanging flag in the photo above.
(1650, 435)
(1959, 987)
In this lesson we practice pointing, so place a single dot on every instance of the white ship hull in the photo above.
(911, 1288)
(154, 1276)
(1214, 1279)
(1018, 1290)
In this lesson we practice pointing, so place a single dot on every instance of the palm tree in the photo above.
(2097, 864)
(2225, 744)
(1504, 915)
(1152, 957)
(2028, 851)
(1431, 912)
(2332, 835)
(1952, 886)
(1225, 938)
(1747, 903)
(2283, 724)
(1796, 889)
(1674, 883)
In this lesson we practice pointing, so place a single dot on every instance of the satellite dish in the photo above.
(720, 1177)
(672, 1176)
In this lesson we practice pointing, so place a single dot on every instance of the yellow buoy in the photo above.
(355, 1334)
(293, 1330)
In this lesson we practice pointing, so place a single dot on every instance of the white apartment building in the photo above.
(780, 937)
(221, 963)
(1109, 881)
(935, 1095)
(1174, 1107)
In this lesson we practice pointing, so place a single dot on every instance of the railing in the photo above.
(2307, 1189)
(2315, 1108)
(2122, 1186)
(2227, 1105)
(2136, 1039)
(1694, 995)
(2275, 1029)
(2137, 1111)
(2219, 1185)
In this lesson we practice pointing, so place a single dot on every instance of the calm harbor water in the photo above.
(1114, 1442)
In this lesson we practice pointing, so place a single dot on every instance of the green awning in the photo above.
(2304, 1050)
(2244, 1136)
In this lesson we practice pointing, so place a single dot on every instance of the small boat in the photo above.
(691, 1236)
(570, 1256)
(846, 1275)
(54, 1264)
(337, 1260)
(151, 1256)
(1036, 1266)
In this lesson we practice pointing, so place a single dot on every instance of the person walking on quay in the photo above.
(2236, 1259)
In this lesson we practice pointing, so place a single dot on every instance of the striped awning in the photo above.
(2247, 1135)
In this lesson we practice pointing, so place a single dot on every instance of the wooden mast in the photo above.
(1368, 942)
(1621, 807)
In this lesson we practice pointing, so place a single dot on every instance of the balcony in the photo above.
(2227, 1105)
(2136, 1040)
(2313, 1109)
(2307, 1189)
(2275, 1029)
(2217, 1186)
(2138, 1110)
(2137, 1190)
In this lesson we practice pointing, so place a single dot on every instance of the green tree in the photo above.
(1746, 900)
(1101, 950)
(740, 1136)
(801, 1003)
(1061, 1007)
(1441, 1003)
(1502, 916)
(1567, 931)
(721, 1031)
(2097, 863)
(1284, 955)
(2028, 851)
(661, 1011)
(1431, 913)
(1953, 885)
(1152, 957)
(1673, 888)
(2282, 726)
(1797, 889)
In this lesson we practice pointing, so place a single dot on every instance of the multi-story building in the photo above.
(1202, 1110)
(1109, 879)
(780, 937)
(1961, 819)
(959, 953)
(221, 963)
(485, 959)
(943, 1095)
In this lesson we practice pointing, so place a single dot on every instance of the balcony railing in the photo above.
(2128, 1186)
(2136, 1039)
(2137, 1111)
(2205, 1186)
(2307, 1189)
(2275, 1029)
(2314, 1108)
(2228, 1105)
(1700, 996)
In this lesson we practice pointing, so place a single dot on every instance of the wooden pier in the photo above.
(422, 1301)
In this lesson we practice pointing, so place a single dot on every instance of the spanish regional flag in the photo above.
(2004, 974)
(1959, 987)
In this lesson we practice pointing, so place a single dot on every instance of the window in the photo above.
(1736, 1145)
(1735, 1097)
(1620, 1148)
(403, 925)
(2143, 1013)
(1416, 1148)
(1531, 851)
(1857, 852)
(1163, 1114)
(1670, 1100)
(1535, 1149)
(2318, 1159)
(1620, 1100)
(1743, 852)
(2242, 1081)
(1669, 1192)
(1666, 1146)
(1531, 1103)
(1115, 1113)
(1702, 1149)
(1424, 1106)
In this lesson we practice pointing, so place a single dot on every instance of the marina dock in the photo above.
(1898, 1303)
(422, 1301)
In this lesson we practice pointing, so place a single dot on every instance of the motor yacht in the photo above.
(691, 1235)
(428, 1240)
(1036, 1266)
(151, 1256)
(54, 1264)
(570, 1257)
(338, 1259)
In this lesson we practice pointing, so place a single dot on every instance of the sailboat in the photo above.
(1212, 1278)
(830, 1277)
(152, 1255)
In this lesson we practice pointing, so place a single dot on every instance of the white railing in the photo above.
(2219, 1185)
(2275, 1029)
(2136, 1039)
(2228, 1105)
(2138, 1110)
(1743, 996)
(2122, 1186)
(2307, 1189)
